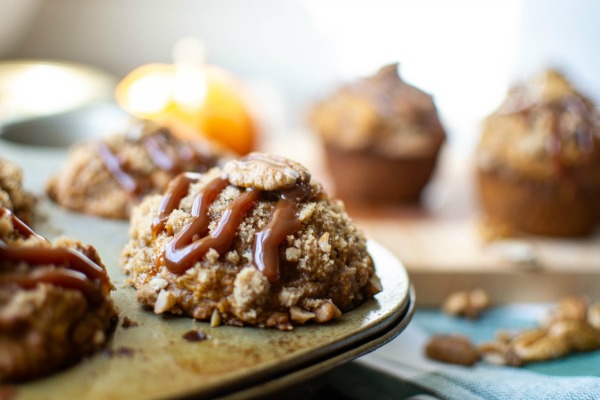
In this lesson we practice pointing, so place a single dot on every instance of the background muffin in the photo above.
(108, 177)
(382, 137)
(538, 161)
(257, 243)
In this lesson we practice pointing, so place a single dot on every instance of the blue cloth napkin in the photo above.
(400, 370)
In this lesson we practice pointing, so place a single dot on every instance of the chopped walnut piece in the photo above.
(164, 302)
(373, 286)
(580, 335)
(327, 311)
(324, 243)
(215, 318)
(544, 347)
(494, 352)
(593, 315)
(292, 254)
(465, 303)
(453, 349)
(567, 331)
(265, 172)
(571, 307)
(299, 315)
(157, 283)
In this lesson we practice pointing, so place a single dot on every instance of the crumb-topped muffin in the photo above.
(54, 302)
(382, 138)
(538, 160)
(255, 243)
(12, 194)
(108, 177)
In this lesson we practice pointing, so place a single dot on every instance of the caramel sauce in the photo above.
(115, 168)
(194, 240)
(158, 145)
(79, 273)
(183, 251)
(19, 225)
(62, 277)
(177, 189)
(182, 156)
(283, 223)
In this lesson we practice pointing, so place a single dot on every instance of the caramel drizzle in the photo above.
(156, 145)
(283, 223)
(194, 241)
(80, 272)
(115, 167)
(183, 250)
(177, 189)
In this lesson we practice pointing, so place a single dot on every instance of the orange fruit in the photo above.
(192, 100)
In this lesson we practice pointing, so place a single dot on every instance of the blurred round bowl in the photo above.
(64, 129)
(37, 88)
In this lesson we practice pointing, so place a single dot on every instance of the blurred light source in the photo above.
(191, 97)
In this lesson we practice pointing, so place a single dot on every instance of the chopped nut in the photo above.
(539, 347)
(164, 301)
(593, 315)
(567, 331)
(571, 307)
(157, 283)
(324, 243)
(215, 318)
(300, 315)
(292, 254)
(373, 286)
(265, 172)
(469, 304)
(580, 335)
(326, 312)
(494, 352)
(453, 349)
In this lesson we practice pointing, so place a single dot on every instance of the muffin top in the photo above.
(108, 177)
(543, 130)
(380, 113)
(255, 243)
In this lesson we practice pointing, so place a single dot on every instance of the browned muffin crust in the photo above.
(379, 130)
(107, 178)
(292, 256)
(54, 302)
(381, 113)
(539, 160)
(12, 194)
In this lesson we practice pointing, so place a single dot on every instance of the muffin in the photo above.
(382, 138)
(255, 243)
(538, 160)
(107, 178)
(54, 302)
(12, 194)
